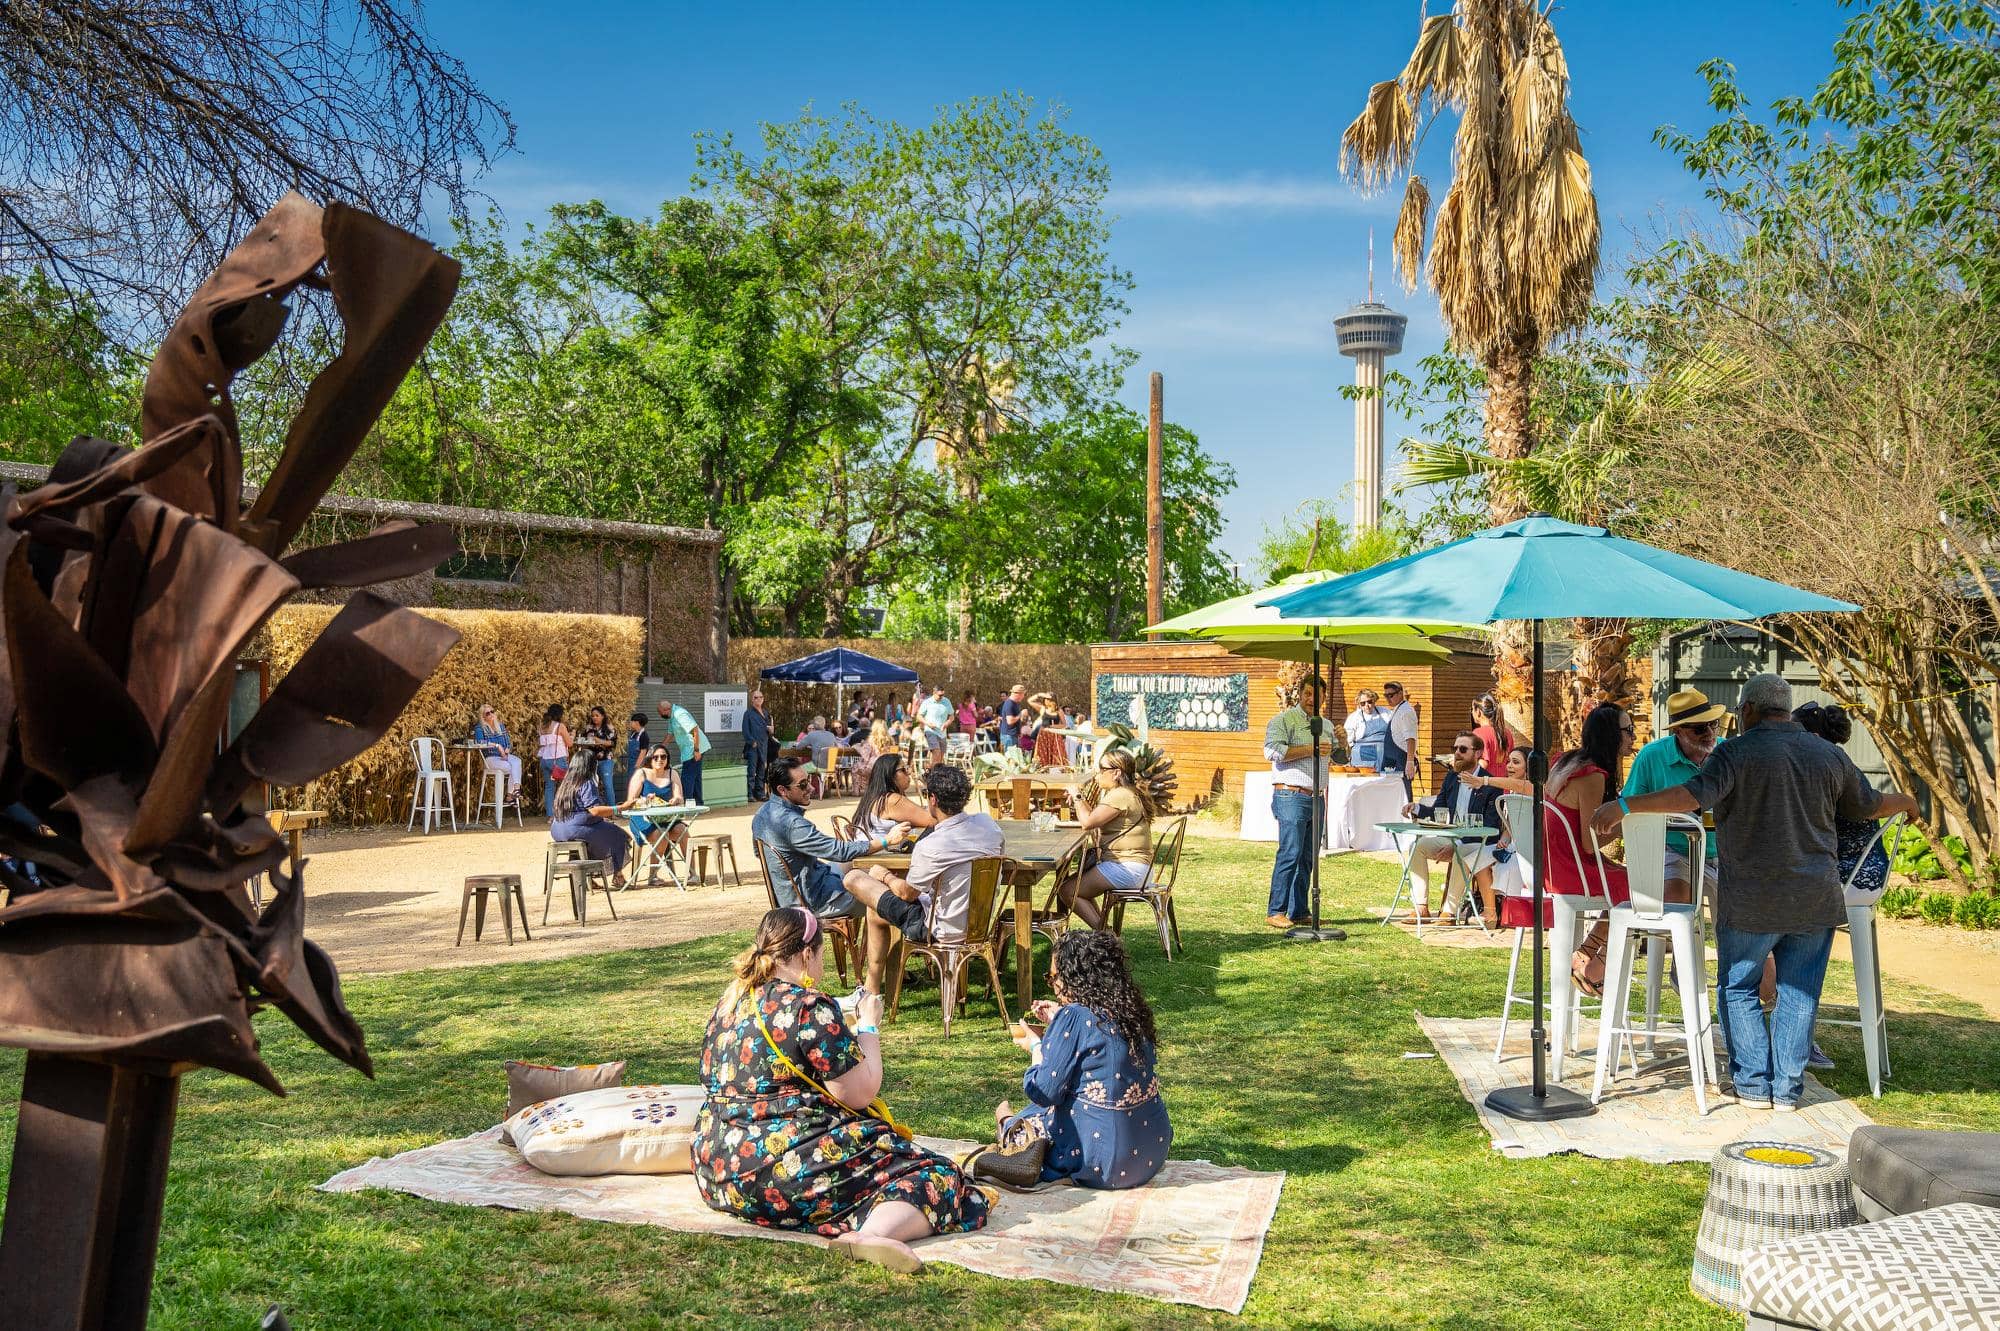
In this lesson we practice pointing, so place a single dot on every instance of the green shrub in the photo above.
(1898, 903)
(1977, 911)
(1916, 860)
(1938, 907)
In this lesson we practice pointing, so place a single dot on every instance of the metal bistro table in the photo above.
(651, 861)
(1032, 855)
(1416, 832)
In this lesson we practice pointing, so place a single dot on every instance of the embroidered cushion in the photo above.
(529, 1083)
(616, 1130)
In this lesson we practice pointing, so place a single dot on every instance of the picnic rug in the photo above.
(1193, 1235)
(1650, 1116)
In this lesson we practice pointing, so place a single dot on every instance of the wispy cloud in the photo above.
(1240, 194)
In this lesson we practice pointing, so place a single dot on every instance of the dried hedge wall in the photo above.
(520, 661)
(988, 668)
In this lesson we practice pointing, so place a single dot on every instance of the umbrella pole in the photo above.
(1313, 933)
(1539, 1102)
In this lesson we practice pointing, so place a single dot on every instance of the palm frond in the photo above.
(1437, 65)
(1429, 462)
(1408, 244)
(1377, 145)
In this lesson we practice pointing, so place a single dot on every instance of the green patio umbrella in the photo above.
(1535, 569)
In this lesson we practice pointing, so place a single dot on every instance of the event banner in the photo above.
(1175, 702)
(722, 710)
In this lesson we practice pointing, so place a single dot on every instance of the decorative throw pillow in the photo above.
(617, 1130)
(528, 1083)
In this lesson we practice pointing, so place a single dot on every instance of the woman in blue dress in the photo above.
(582, 815)
(659, 779)
(1096, 1114)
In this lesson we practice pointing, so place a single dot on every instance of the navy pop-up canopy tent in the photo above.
(840, 666)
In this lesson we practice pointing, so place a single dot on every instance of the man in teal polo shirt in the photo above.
(1672, 760)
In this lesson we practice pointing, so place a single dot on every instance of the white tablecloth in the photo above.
(1354, 804)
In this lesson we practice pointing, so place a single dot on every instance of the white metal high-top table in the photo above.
(1408, 835)
(649, 860)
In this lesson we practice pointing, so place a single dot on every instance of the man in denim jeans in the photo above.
(1288, 743)
(1775, 793)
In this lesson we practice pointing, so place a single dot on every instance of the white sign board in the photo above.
(722, 711)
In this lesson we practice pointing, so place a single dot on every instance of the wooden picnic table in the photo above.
(1021, 783)
(1032, 855)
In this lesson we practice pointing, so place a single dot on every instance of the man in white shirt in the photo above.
(1288, 743)
(1399, 749)
(940, 868)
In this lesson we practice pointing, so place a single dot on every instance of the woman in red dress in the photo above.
(1577, 785)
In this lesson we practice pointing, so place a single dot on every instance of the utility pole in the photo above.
(1156, 533)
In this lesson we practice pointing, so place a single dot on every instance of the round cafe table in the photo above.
(1407, 835)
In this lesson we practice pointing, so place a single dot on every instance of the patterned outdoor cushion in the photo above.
(1935, 1270)
(530, 1083)
(617, 1130)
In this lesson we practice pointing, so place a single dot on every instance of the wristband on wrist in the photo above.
(867, 1030)
(1623, 805)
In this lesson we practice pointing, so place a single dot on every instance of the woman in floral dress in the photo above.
(784, 1138)
(1097, 1113)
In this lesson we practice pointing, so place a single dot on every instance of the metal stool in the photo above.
(723, 844)
(567, 860)
(508, 886)
(1761, 1193)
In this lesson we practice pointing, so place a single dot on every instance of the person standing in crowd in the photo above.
(1672, 760)
(1288, 745)
(968, 715)
(552, 748)
(936, 714)
(1049, 748)
(756, 744)
(635, 743)
(490, 734)
(1494, 737)
(599, 741)
(1367, 730)
(1011, 709)
(688, 738)
(1400, 743)
(1778, 793)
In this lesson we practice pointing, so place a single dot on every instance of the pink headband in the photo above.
(812, 924)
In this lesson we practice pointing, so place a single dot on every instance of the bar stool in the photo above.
(432, 797)
(1759, 1193)
(722, 843)
(1567, 924)
(1649, 917)
(569, 860)
(493, 795)
(508, 887)
(1861, 941)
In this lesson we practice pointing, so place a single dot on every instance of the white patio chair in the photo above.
(433, 780)
(1567, 912)
(1648, 916)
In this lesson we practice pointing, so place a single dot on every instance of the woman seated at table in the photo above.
(490, 734)
(1513, 877)
(658, 780)
(1577, 785)
(1122, 818)
(581, 814)
(786, 1137)
(876, 744)
(1096, 1116)
(885, 800)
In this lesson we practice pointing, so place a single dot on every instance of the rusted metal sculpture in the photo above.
(129, 584)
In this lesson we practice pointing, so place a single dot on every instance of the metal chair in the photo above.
(717, 844)
(841, 933)
(506, 886)
(1569, 910)
(433, 779)
(1873, 1020)
(1157, 890)
(493, 795)
(950, 957)
(570, 860)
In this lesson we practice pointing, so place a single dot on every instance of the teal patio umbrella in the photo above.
(1535, 569)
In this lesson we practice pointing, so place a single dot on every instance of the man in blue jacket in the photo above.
(1465, 794)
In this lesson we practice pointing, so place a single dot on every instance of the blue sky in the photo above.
(1221, 126)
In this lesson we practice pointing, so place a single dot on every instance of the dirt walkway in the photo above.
(381, 900)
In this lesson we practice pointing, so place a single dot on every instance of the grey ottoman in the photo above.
(1900, 1170)
(1936, 1270)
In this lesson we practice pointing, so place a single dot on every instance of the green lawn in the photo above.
(1275, 1056)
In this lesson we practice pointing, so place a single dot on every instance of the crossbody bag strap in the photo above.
(876, 1109)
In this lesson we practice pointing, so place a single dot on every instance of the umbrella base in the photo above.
(1305, 933)
(1521, 1102)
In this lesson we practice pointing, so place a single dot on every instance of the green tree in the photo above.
(1314, 540)
(60, 374)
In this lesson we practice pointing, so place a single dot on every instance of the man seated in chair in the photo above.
(810, 856)
(940, 867)
(1467, 793)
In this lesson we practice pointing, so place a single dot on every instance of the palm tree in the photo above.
(1578, 482)
(1513, 255)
